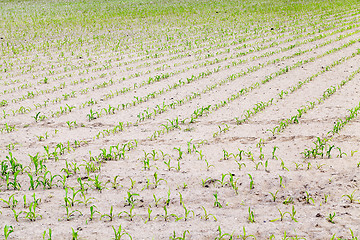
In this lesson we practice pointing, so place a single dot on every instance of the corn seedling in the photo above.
(110, 216)
(157, 180)
(70, 200)
(183, 237)
(130, 200)
(128, 214)
(47, 235)
(350, 197)
(70, 214)
(251, 217)
(308, 198)
(17, 214)
(166, 215)
(31, 214)
(148, 218)
(217, 203)
(281, 181)
(281, 216)
(282, 165)
(207, 215)
(288, 200)
(251, 181)
(39, 117)
(240, 164)
(119, 233)
(353, 152)
(92, 212)
(223, 235)
(11, 202)
(273, 153)
(97, 184)
(274, 195)
(244, 236)
(7, 231)
(74, 234)
(187, 213)
(132, 183)
(331, 217)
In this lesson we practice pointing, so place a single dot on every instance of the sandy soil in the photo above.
(205, 176)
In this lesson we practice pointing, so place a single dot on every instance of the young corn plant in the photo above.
(223, 235)
(216, 202)
(182, 237)
(351, 197)
(244, 236)
(207, 215)
(109, 216)
(70, 214)
(93, 212)
(119, 233)
(31, 214)
(251, 217)
(331, 217)
(187, 213)
(251, 182)
(7, 231)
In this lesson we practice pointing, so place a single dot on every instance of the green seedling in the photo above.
(130, 200)
(217, 203)
(251, 217)
(132, 183)
(331, 217)
(92, 212)
(157, 180)
(128, 214)
(353, 152)
(93, 115)
(70, 214)
(292, 214)
(119, 233)
(341, 153)
(39, 117)
(156, 200)
(49, 237)
(288, 200)
(274, 195)
(281, 181)
(282, 215)
(251, 181)
(350, 196)
(244, 236)
(74, 234)
(180, 152)
(181, 198)
(7, 231)
(308, 198)
(17, 214)
(110, 216)
(70, 200)
(183, 237)
(240, 164)
(208, 166)
(31, 214)
(223, 235)
(326, 197)
(282, 165)
(11, 202)
(98, 185)
(47, 180)
(207, 215)
(166, 215)
(149, 211)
